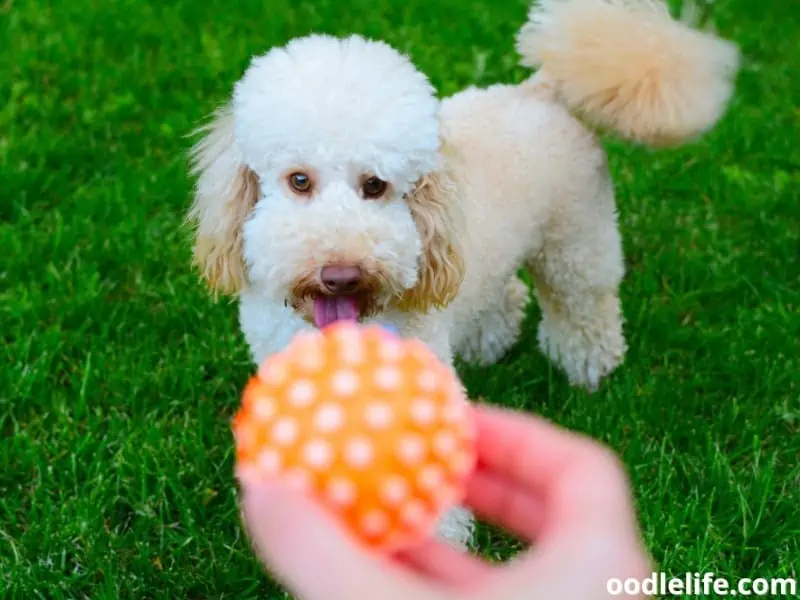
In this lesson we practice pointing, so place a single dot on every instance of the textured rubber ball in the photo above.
(373, 426)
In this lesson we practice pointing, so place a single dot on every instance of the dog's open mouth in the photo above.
(330, 309)
(322, 299)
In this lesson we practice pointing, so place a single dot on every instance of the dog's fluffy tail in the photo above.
(628, 66)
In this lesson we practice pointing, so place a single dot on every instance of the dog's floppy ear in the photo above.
(435, 210)
(225, 193)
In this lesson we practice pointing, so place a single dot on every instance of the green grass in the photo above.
(119, 374)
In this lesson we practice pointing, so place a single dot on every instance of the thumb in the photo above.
(312, 555)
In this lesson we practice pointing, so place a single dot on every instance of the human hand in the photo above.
(566, 494)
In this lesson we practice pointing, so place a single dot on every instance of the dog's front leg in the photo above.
(456, 526)
(268, 326)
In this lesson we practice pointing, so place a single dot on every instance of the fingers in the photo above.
(505, 503)
(544, 477)
(437, 561)
(524, 449)
(591, 491)
(293, 536)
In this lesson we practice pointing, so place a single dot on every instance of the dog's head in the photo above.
(320, 184)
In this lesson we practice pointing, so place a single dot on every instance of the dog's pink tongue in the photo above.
(329, 309)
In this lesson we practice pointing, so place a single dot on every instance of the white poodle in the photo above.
(335, 185)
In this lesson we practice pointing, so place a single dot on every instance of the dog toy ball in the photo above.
(372, 425)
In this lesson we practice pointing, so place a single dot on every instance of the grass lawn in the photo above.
(120, 374)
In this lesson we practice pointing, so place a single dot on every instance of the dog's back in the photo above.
(534, 184)
(520, 155)
(523, 163)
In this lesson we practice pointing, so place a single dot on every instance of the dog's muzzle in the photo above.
(339, 293)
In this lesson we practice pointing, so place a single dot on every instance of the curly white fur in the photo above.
(479, 185)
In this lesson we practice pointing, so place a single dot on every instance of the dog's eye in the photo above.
(300, 183)
(374, 187)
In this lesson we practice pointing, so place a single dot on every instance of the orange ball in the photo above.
(372, 425)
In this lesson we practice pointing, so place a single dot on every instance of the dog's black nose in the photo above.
(341, 280)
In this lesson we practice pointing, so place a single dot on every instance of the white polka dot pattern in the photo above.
(284, 431)
(359, 453)
(394, 490)
(388, 379)
(302, 393)
(444, 444)
(374, 523)
(329, 418)
(413, 513)
(423, 411)
(341, 491)
(318, 454)
(411, 449)
(378, 415)
(264, 409)
(344, 383)
(372, 425)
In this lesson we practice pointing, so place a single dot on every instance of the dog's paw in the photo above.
(585, 355)
(456, 528)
